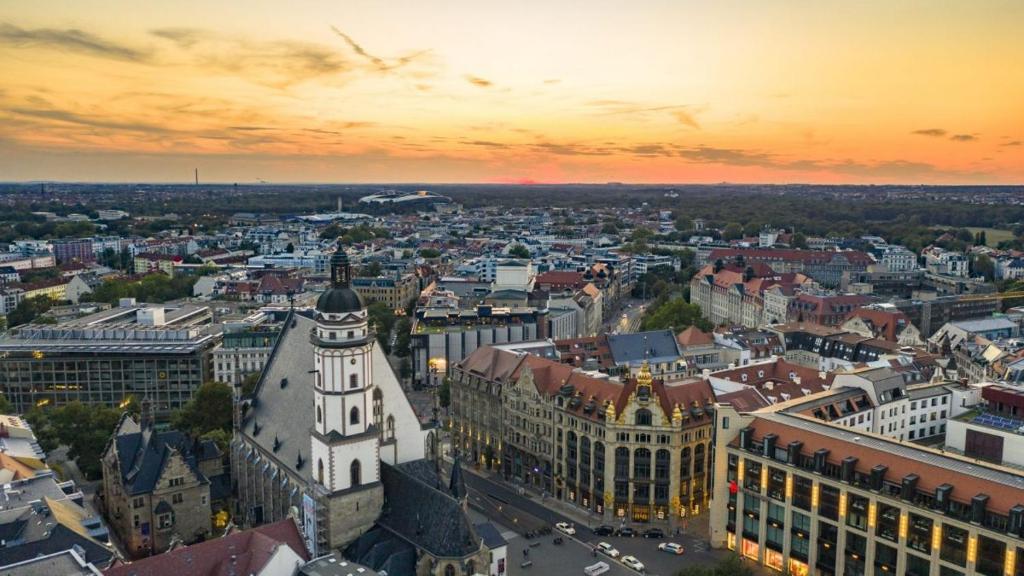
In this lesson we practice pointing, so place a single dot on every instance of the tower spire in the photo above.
(340, 268)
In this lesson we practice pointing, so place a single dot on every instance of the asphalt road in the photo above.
(504, 505)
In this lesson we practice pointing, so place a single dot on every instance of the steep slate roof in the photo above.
(781, 374)
(283, 413)
(417, 511)
(56, 532)
(654, 345)
(236, 554)
(142, 456)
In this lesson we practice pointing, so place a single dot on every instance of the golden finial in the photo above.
(677, 414)
(643, 378)
(609, 413)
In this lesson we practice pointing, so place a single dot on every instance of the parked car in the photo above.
(627, 532)
(633, 563)
(565, 528)
(654, 533)
(604, 530)
(671, 548)
(596, 569)
(607, 549)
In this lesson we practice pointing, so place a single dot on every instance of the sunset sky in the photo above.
(865, 91)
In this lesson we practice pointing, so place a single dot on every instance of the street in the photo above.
(524, 512)
(627, 318)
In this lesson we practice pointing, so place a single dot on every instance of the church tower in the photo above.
(345, 442)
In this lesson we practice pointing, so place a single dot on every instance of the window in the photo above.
(320, 471)
(353, 381)
(919, 536)
(164, 521)
(391, 427)
(857, 511)
(829, 502)
(353, 416)
(355, 473)
(176, 481)
(177, 498)
(319, 415)
(643, 417)
(642, 464)
(991, 557)
(888, 520)
(954, 545)
(138, 502)
(802, 488)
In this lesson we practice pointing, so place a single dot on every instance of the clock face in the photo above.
(352, 361)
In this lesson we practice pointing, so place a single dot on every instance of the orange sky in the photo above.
(915, 91)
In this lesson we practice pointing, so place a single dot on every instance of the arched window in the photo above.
(320, 470)
(353, 381)
(378, 408)
(391, 427)
(353, 415)
(643, 417)
(355, 473)
(319, 415)
(449, 570)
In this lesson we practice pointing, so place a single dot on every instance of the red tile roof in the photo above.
(239, 553)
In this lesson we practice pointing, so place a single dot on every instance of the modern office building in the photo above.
(242, 354)
(802, 496)
(155, 352)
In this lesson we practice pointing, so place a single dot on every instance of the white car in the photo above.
(671, 548)
(607, 549)
(565, 528)
(632, 562)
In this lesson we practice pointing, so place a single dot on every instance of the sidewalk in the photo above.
(696, 526)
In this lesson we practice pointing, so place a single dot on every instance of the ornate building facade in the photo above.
(631, 452)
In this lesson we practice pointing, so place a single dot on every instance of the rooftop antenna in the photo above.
(197, 176)
(339, 204)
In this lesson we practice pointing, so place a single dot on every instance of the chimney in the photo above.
(769, 445)
(942, 494)
(1015, 523)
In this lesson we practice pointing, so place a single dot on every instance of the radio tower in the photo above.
(197, 176)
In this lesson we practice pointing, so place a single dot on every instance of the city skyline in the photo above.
(872, 92)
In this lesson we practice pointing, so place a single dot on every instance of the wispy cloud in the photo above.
(686, 119)
(963, 137)
(478, 81)
(933, 132)
(381, 64)
(71, 40)
(683, 114)
(1013, 143)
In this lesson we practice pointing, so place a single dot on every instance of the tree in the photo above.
(430, 253)
(674, 313)
(444, 393)
(290, 248)
(373, 269)
(404, 369)
(5, 405)
(732, 231)
(84, 429)
(29, 309)
(983, 266)
(799, 241)
(519, 251)
(381, 319)
(221, 437)
(249, 383)
(609, 228)
(403, 338)
(208, 410)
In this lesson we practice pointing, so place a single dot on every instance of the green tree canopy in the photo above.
(676, 314)
(732, 231)
(519, 251)
(208, 410)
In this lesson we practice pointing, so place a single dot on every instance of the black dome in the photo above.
(339, 301)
